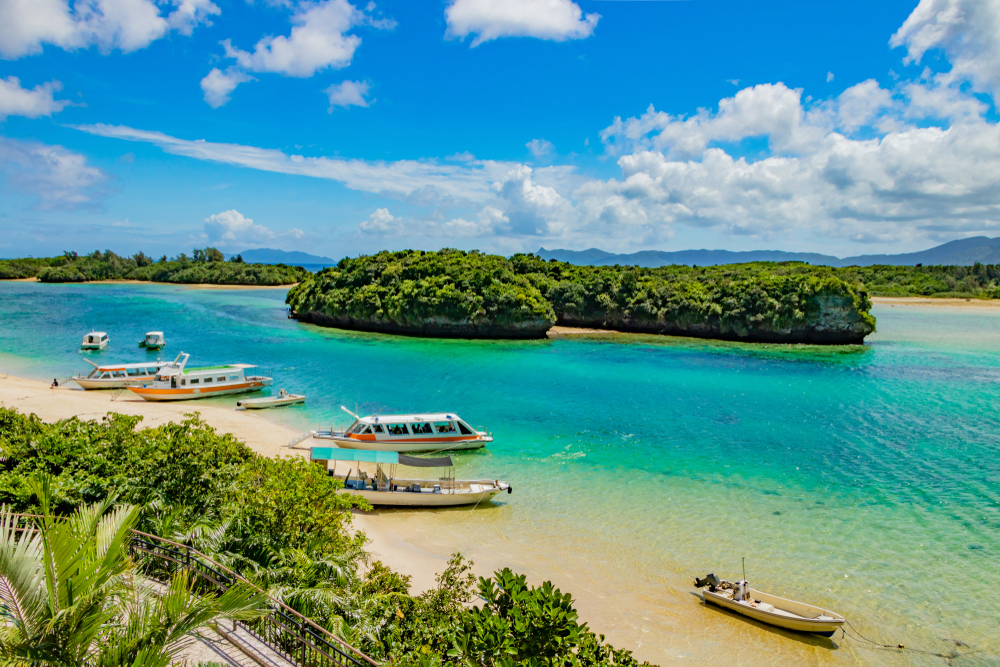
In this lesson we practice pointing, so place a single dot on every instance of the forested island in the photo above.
(282, 525)
(205, 266)
(452, 293)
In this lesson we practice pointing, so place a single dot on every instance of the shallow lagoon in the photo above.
(865, 479)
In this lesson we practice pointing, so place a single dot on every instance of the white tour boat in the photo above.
(176, 382)
(282, 399)
(767, 608)
(116, 376)
(407, 433)
(385, 489)
(154, 340)
(95, 340)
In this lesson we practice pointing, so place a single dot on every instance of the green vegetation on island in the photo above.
(281, 524)
(979, 281)
(205, 266)
(471, 294)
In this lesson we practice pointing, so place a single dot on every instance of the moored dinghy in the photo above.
(385, 488)
(95, 340)
(154, 340)
(283, 398)
(767, 608)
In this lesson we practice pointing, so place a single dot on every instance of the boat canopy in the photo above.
(364, 455)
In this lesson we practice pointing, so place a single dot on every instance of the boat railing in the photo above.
(297, 639)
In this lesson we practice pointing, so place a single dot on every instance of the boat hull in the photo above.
(428, 499)
(787, 614)
(108, 383)
(261, 403)
(406, 444)
(94, 346)
(190, 394)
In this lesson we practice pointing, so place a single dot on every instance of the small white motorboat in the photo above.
(283, 398)
(770, 609)
(176, 382)
(388, 490)
(95, 340)
(154, 340)
(116, 376)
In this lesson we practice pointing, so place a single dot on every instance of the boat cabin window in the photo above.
(194, 381)
(377, 428)
(367, 430)
(221, 379)
(233, 377)
(183, 382)
(104, 337)
(206, 380)
(465, 430)
(105, 374)
(423, 427)
(132, 372)
(444, 427)
(397, 429)
(118, 374)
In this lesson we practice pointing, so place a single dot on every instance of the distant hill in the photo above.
(272, 256)
(964, 252)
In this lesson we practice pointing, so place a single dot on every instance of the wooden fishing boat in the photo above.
(116, 376)
(154, 340)
(407, 433)
(283, 398)
(386, 489)
(176, 382)
(770, 609)
(95, 340)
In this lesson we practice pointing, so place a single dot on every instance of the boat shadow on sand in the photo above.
(801, 637)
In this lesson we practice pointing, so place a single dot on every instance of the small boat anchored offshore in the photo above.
(95, 340)
(154, 340)
(770, 609)
(116, 376)
(407, 433)
(175, 382)
(387, 489)
(283, 398)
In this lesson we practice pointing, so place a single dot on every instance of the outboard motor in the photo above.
(710, 580)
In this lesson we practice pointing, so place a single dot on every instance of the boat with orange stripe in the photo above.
(176, 382)
(407, 433)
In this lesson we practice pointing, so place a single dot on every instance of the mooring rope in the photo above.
(856, 635)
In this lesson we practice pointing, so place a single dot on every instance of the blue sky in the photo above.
(339, 128)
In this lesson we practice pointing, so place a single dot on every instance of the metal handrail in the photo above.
(304, 634)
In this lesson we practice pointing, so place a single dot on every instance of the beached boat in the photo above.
(767, 608)
(176, 382)
(386, 489)
(95, 340)
(407, 433)
(283, 398)
(116, 376)
(154, 340)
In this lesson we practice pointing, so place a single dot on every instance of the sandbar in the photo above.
(153, 282)
(932, 301)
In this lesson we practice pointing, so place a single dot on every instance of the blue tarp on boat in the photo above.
(334, 454)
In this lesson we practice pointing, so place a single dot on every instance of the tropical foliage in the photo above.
(282, 524)
(432, 292)
(207, 265)
(72, 595)
(415, 292)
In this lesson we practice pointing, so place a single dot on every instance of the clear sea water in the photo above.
(863, 479)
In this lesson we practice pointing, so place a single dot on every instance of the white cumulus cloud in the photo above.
(967, 31)
(218, 85)
(18, 101)
(55, 177)
(556, 20)
(347, 94)
(128, 25)
(232, 228)
(381, 222)
(540, 148)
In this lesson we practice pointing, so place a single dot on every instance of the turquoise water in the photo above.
(863, 479)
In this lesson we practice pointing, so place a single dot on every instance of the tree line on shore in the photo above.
(205, 266)
(283, 525)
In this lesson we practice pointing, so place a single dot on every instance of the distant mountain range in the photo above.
(272, 256)
(964, 252)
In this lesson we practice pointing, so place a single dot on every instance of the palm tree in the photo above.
(70, 595)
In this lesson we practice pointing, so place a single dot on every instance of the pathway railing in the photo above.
(285, 631)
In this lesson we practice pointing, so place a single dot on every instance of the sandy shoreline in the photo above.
(931, 301)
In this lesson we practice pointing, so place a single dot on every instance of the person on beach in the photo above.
(55, 383)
